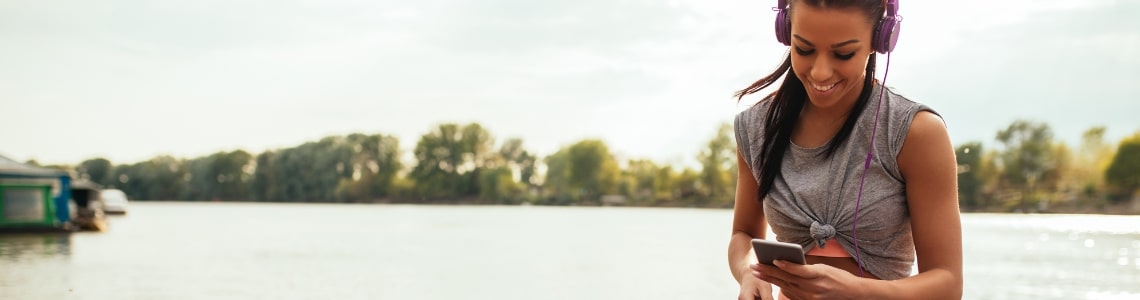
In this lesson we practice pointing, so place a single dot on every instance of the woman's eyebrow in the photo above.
(837, 45)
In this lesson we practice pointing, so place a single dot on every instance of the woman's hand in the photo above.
(818, 281)
(752, 288)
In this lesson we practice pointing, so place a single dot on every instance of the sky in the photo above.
(129, 80)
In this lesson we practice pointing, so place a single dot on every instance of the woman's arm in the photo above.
(747, 221)
(929, 168)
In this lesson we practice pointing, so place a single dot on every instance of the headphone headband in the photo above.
(883, 39)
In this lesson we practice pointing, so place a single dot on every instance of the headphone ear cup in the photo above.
(783, 29)
(886, 35)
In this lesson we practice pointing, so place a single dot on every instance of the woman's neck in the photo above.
(834, 115)
(829, 115)
(817, 125)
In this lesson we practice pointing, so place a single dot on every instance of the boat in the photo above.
(38, 199)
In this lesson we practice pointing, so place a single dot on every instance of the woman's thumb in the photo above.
(747, 295)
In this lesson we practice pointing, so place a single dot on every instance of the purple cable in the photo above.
(867, 164)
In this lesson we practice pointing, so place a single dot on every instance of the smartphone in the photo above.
(767, 251)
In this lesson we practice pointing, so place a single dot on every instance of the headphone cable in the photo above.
(867, 164)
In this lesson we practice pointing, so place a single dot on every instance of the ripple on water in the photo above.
(1098, 294)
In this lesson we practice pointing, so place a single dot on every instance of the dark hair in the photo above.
(788, 101)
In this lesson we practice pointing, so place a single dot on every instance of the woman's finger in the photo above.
(774, 272)
(794, 293)
(746, 295)
(802, 271)
(774, 280)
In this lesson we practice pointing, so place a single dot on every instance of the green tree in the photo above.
(202, 180)
(506, 174)
(497, 185)
(160, 178)
(969, 156)
(220, 176)
(478, 144)
(1090, 165)
(310, 172)
(356, 167)
(97, 170)
(448, 160)
(1027, 161)
(518, 159)
(583, 171)
(1058, 186)
(556, 181)
(718, 166)
(1123, 172)
(640, 175)
(374, 163)
(665, 187)
(264, 185)
(687, 187)
(988, 173)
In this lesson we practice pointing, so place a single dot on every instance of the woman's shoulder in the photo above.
(904, 106)
(913, 111)
(755, 112)
(748, 126)
(907, 116)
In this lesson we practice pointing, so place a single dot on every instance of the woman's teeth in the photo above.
(823, 88)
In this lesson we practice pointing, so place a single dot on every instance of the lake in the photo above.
(186, 250)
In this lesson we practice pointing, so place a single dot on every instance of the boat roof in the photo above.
(12, 168)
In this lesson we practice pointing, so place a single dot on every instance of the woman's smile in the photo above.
(824, 90)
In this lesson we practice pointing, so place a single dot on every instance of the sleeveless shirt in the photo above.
(814, 197)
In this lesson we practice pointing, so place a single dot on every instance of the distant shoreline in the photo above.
(1118, 209)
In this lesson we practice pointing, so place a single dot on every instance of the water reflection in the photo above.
(1034, 258)
(23, 247)
(36, 266)
(261, 251)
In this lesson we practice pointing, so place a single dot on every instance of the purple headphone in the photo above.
(882, 40)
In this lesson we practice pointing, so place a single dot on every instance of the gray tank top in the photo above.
(813, 199)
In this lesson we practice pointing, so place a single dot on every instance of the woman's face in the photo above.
(830, 49)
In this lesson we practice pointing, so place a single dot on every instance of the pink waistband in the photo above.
(830, 249)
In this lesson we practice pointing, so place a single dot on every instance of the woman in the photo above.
(861, 177)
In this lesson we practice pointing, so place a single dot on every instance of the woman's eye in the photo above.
(803, 52)
(845, 56)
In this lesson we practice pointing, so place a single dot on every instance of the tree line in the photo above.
(454, 163)
(1028, 170)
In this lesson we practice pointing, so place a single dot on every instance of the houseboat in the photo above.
(36, 199)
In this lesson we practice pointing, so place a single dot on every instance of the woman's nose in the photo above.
(821, 70)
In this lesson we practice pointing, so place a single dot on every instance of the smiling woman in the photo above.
(816, 156)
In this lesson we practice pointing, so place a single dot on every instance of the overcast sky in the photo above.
(129, 80)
